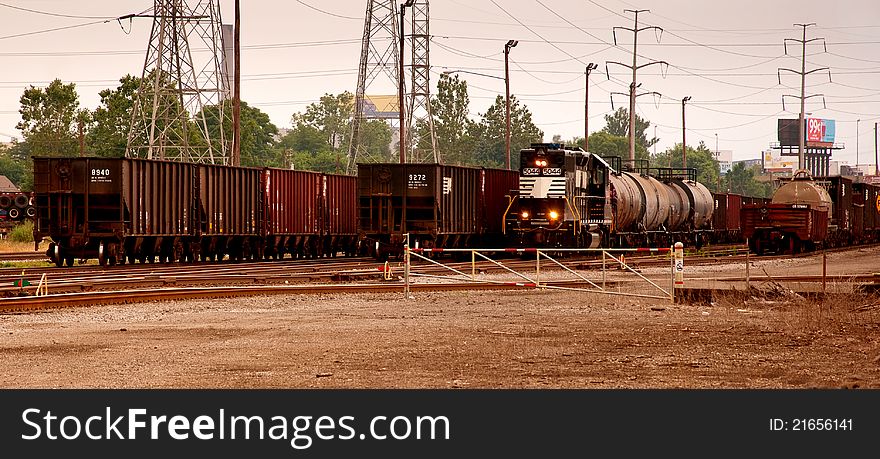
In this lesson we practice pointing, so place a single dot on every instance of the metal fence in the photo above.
(548, 259)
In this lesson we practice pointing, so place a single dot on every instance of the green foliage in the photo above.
(701, 159)
(603, 143)
(331, 116)
(319, 140)
(23, 232)
(16, 166)
(741, 180)
(49, 117)
(323, 161)
(489, 134)
(257, 134)
(617, 124)
(108, 133)
(451, 123)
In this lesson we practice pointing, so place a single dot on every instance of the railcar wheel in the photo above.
(102, 254)
(55, 250)
(69, 261)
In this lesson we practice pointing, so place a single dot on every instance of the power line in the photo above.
(48, 13)
(54, 29)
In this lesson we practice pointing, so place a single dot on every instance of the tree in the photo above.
(49, 117)
(111, 121)
(488, 134)
(617, 124)
(603, 143)
(257, 134)
(451, 123)
(331, 116)
(15, 165)
(741, 180)
(701, 159)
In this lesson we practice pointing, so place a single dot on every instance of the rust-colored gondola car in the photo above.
(440, 206)
(113, 209)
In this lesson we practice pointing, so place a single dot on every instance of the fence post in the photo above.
(748, 274)
(406, 260)
(473, 265)
(537, 268)
(679, 267)
(672, 274)
(603, 270)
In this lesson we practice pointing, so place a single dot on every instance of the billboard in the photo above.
(787, 132)
(774, 163)
(819, 132)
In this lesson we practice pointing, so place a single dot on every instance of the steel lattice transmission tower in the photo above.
(379, 60)
(418, 110)
(168, 121)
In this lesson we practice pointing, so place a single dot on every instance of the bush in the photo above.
(23, 232)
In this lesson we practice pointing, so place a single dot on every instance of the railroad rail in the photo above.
(31, 304)
(20, 256)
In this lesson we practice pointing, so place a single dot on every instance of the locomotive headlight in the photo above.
(553, 215)
(524, 214)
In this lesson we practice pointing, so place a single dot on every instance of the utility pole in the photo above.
(82, 137)
(717, 156)
(857, 142)
(634, 67)
(803, 73)
(684, 161)
(876, 163)
(591, 66)
(507, 46)
(400, 100)
(236, 98)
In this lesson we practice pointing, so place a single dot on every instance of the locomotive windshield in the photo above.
(542, 163)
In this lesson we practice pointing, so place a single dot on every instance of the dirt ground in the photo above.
(509, 339)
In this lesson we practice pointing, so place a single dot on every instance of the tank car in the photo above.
(796, 218)
(659, 206)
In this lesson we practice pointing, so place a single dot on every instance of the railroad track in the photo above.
(197, 280)
(32, 304)
(21, 256)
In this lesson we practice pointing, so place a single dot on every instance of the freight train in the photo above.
(126, 210)
(574, 199)
(808, 213)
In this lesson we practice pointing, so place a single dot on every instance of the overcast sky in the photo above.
(725, 55)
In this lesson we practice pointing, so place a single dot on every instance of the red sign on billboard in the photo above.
(820, 131)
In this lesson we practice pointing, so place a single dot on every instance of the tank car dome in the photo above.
(803, 192)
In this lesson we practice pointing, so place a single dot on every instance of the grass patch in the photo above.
(23, 232)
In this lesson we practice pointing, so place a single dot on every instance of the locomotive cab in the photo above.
(562, 200)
